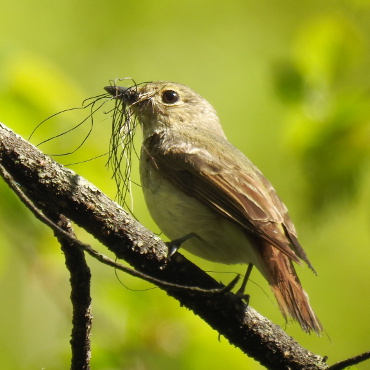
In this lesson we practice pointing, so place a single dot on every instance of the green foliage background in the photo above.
(290, 81)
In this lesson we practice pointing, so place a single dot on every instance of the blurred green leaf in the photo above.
(329, 119)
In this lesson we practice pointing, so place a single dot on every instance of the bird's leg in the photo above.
(174, 245)
(241, 291)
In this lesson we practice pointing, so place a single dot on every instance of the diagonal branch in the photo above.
(52, 187)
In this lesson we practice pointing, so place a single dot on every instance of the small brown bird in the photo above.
(204, 192)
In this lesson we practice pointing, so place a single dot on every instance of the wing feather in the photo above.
(230, 185)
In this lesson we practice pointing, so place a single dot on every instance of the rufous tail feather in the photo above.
(292, 299)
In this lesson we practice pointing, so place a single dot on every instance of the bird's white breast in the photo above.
(178, 214)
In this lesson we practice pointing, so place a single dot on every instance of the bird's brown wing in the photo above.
(222, 178)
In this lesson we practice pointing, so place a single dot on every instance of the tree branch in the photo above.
(54, 188)
(80, 278)
(350, 361)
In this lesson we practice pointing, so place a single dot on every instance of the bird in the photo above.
(206, 195)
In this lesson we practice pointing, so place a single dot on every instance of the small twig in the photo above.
(80, 279)
(350, 361)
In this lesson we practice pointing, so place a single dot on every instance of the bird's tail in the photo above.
(292, 299)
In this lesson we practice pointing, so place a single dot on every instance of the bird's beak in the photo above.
(116, 91)
(126, 94)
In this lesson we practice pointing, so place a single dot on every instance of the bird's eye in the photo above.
(170, 97)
